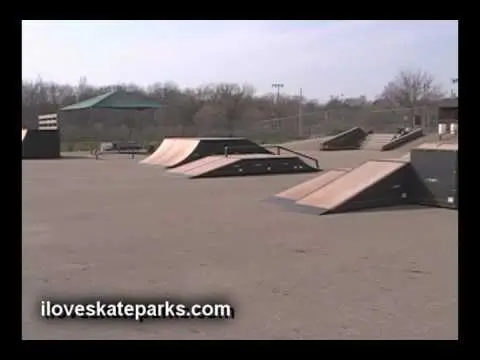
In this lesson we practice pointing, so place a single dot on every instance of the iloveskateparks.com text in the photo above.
(135, 311)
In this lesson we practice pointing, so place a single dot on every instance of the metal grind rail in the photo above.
(230, 150)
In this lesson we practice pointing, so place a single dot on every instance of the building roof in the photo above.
(448, 103)
(116, 100)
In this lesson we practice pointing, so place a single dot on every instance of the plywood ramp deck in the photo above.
(184, 169)
(173, 152)
(218, 162)
(184, 148)
(350, 184)
(162, 150)
(300, 191)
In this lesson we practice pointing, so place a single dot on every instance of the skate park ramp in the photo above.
(373, 184)
(376, 141)
(300, 191)
(347, 140)
(313, 144)
(174, 152)
(243, 165)
(160, 152)
(403, 140)
(358, 138)
(40, 144)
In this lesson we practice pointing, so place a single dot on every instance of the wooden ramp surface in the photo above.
(173, 152)
(184, 169)
(300, 191)
(183, 149)
(162, 150)
(218, 162)
(350, 184)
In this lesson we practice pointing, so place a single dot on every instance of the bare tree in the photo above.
(233, 100)
(411, 88)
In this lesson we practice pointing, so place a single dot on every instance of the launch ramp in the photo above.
(179, 151)
(372, 184)
(301, 190)
(347, 140)
(243, 165)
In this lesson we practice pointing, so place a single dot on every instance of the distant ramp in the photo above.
(402, 140)
(300, 191)
(372, 184)
(242, 165)
(346, 140)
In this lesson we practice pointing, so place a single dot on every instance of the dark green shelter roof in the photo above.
(116, 100)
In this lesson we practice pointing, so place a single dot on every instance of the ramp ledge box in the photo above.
(436, 168)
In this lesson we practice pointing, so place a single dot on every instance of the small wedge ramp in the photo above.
(188, 168)
(372, 184)
(300, 191)
(243, 165)
(174, 152)
(346, 140)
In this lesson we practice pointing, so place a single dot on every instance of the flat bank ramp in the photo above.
(300, 191)
(243, 164)
(156, 157)
(208, 165)
(372, 184)
(188, 167)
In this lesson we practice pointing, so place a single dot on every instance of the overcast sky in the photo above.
(322, 57)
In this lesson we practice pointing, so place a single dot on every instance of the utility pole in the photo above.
(300, 114)
(277, 86)
(453, 93)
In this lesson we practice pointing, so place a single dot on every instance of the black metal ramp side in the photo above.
(41, 144)
(371, 185)
(436, 175)
(258, 164)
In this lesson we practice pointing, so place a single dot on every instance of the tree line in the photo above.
(212, 110)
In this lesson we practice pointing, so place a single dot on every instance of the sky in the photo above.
(323, 57)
